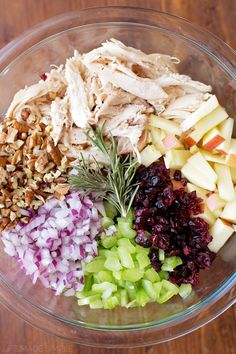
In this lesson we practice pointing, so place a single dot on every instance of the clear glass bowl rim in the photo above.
(21, 46)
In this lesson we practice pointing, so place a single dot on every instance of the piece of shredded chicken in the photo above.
(114, 86)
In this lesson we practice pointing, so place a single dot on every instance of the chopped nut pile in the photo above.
(32, 169)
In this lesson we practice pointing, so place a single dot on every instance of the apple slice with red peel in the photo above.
(168, 126)
(205, 108)
(224, 182)
(212, 139)
(221, 232)
(231, 157)
(226, 129)
(205, 124)
(229, 212)
(170, 142)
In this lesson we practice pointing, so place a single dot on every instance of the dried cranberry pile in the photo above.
(165, 219)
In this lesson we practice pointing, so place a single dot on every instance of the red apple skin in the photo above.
(213, 143)
(189, 141)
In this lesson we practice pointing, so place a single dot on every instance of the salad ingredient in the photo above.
(229, 212)
(55, 242)
(221, 232)
(226, 130)
(122, 275)
(212, 139)
(113, 183)
(224, 182)
(169, 217)
(149, 155)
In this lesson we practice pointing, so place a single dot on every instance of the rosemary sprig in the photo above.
(113, 183)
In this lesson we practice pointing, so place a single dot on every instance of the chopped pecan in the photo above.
(5, 212)
(61, 180)
(29, 196)
(41, 161)
(16, 158)
(5, 192)
(3, 161)
(17, 144)
(11, 135)
(61, 190)
(3, 138)
(54, 153)
(3, 223)
(21, 128)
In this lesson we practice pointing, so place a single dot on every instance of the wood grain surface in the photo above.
(219, 16)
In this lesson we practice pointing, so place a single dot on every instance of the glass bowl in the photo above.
(204, 57)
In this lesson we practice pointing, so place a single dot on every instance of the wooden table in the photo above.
(219, 16)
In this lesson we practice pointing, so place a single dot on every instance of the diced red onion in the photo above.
(55, 242)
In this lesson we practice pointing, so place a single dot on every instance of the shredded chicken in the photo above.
(114, 86)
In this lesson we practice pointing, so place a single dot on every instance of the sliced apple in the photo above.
(177, 158)
(205, 124)
(168, 126)
(233, 174)
(205, 108)
(156, 139)
(207, 215)
(226, 129)
(229, 212)
(209, 156)
(231, 157)
(224, 182)
(221, 232)
(212, 139)
(194, 149)
(198, 171)
(214, 202)
(202, 193)
(149, 155)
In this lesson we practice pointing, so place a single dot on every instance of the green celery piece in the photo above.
(125, 257)
(110, 210)
(112, 263)
(130, 217)
(95, 302)
(131, 304)
(168, 290)
(125, 242)
(95, 265)
(161, 255)
(142, 298)
(109, 241)
(148, 287)
(123, 298)
(101, 252)
(121, 283)
(131, 289)
(151, 275)
(104, 275)
(83, 301)
(125, 229)
(171, 263)
(117, 275)
(143, 260)
(185, 290)
(157, 287)
(163, 275)
(88, 281)
(111, 302)
(110, 252)
(106, 222)
(140, 249)
(105, 288)
(132, 275)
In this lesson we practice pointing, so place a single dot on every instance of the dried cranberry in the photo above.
(177, 175)
(43, 77)
(154, 259)
(142, 240)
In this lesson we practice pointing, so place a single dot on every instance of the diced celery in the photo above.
(105, 288)
(125, 229)
(104, 275)
(110, 210)
(130, 217)
(95, 302)
(83, 301)
(142, 298)
(112, 263)
(157, 287)
(125, 242)
(161, 255)
(125, 257)
(163, 275)
(151, 275)
(117, 275)
(168, 290)
(140, 249)
(106, 222)
(95, 265)
(123, 298)
(111, 302)
(131, 289)
(109, 241)
(143, 260)
(131, 304)
(121, 283)
(88, 281)
(132, 275)
(148, 287)
(171, 263)
(185, 290)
